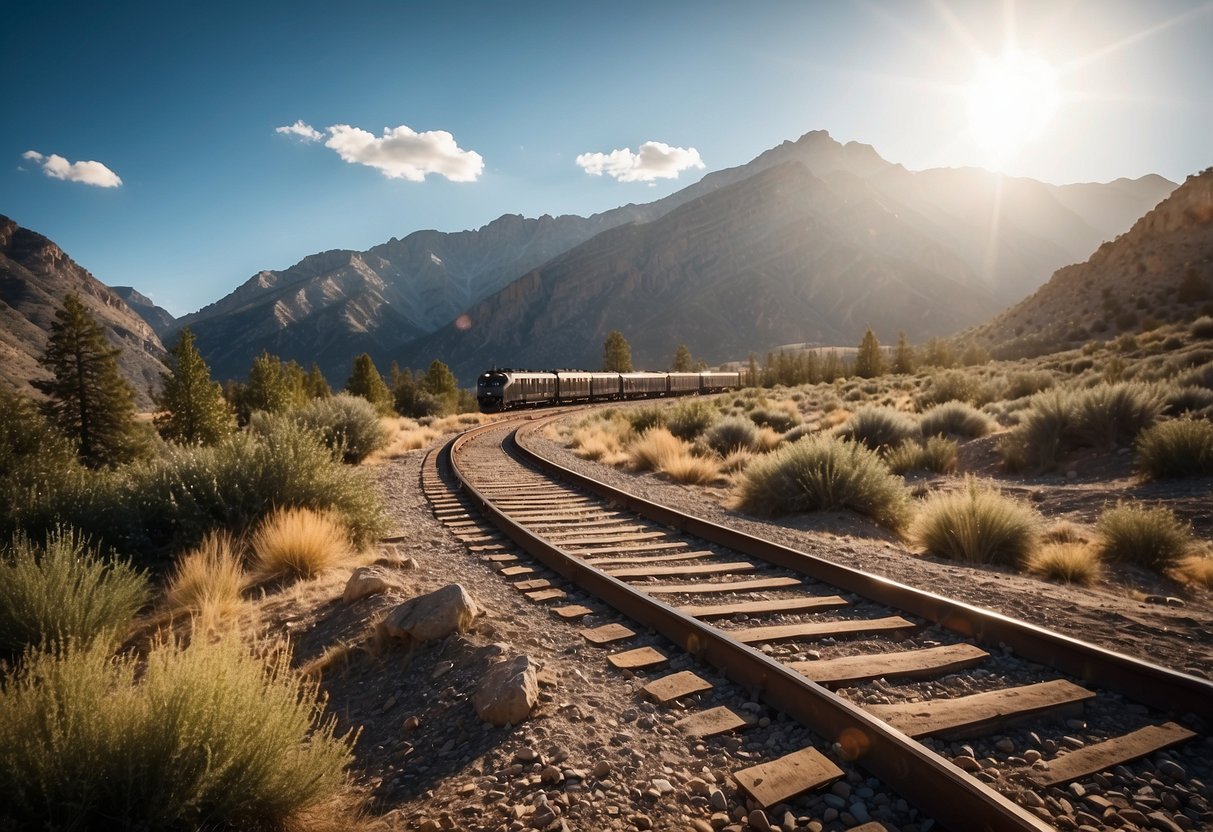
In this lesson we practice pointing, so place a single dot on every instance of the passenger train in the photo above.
(498, 390)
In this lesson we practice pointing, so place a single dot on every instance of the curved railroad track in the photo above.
(754, 609)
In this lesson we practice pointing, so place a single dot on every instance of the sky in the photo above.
(182, 147)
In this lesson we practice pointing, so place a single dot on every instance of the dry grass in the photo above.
(689, 469)
(735, 462)
(977, 524)
(404, 435)
(601, 440)
(768, 440)
(209, 581)
(1196, 569)
(299, 543)
(1071, 563)
(1063, 531)
(661, 451)
(1150, 537)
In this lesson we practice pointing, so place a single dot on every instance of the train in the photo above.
(498, 390)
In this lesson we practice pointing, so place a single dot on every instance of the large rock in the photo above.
(368, 580)
(508, 692)
(431, 616)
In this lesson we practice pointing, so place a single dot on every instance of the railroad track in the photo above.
(755, 610)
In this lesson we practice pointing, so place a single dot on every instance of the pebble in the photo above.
(717, 800)
(1173, 770)
(1005, 745)
(965, 763)
(758, 820)
(642, 821)
(601, 770)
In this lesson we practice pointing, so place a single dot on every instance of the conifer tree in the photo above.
(869, 363)
(440, 382)
(89, 400)
(616, 353)
(194, 410)
(682, 359)
(366, 382)
(752, 372)
(315, 385)
(903, 359)
(268, 388)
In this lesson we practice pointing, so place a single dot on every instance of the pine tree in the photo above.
(194, 410)
(682, 359)
(268, 388)
(89, 400)
(869, 363)
(938, 354)
(903, 359)
(752, 376)
(440, 382)
(366, 382)
(616, 353)
(315, 385)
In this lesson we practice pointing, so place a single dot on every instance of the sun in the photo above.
(1011, 101)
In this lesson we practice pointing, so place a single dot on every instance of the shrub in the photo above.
(950, 385)
(689, 419)
(1027, 383)
(653, 448)
(977, 524)
(1189, 399)
(821, 473)
(65, 591)
(643, 418)
(955, 418)
(1176, 448)
(1108, 415)
(776, 418)
(1202, 327)
(879, 427)
(205, 736)
(1197, 569)
(1071, 563)
(208, 580)
(688, 469)
(1151, 537)
(36, 459)
(299, 543)
(732, 434)
(348, 425)
(937, 455)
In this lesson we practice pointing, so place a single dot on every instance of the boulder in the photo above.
(431, 616)
(368, 580)
(507, 692)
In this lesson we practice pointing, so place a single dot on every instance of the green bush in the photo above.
(775, 418)
(937, 455)
(1027, 382)
(879, 427)
(820, 473)
(688, 419)
(950, 385)
(643, 418)
(977, 524)
(65, 591)
(36, 459)
(732, 434)
(955, 419)
(1176, 448)
(1108, 415)
(1150, 537)
(348, 425)
(200, 737)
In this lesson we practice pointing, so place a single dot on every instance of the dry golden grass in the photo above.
(404, 435)
(299, 543)
(1063, 531)
(1071, 563)
(1196, 569)
(600, 439)
(768, 439)
(689, 469)
(209, 581)
(653, 448)
(736, 461)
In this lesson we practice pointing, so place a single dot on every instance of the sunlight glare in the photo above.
(1011, 102)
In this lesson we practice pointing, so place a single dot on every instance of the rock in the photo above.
(431, 616)
(368, 580)
(719, 820)
(1005, 745)
(1173, 770)
(551, 774)
(1159, 820)
(508, 692)
(700, 825)
(601, 770)
(642, 821)
(757, 819)
(412, 723)
(966, 763)
(662, 785)
(718, 801)
(395, 560)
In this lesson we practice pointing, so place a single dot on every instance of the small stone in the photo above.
(642, 821)
(841, 788)
(1031, 756)
(859, 811)
(719, 820)
(698, 786)
(717, 800)
(662, 785)
(700, 825)
(526, 755)
(366, 581)
(431, 616)
(601, 770)
(1077, 790)
(412, 723)
(1160, 821)
(966, 763)
(758, 820)
(1173, 770)
(551, 774)
(1005, 745)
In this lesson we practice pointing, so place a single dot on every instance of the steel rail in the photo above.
(936, 785)
(1149, 684)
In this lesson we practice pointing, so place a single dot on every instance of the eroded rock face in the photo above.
(369, 580)
(432, 616)
(508, 691)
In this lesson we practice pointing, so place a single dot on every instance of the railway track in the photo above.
(757, 610)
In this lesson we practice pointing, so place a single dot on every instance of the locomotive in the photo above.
(498, 390)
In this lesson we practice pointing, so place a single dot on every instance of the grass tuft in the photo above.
(688, 419)
(299, 543)
(1197, 570)
(1071, 563)
(977, 524)
(880, 428)
(955, 419)
(209, 580)
(735, 433)
(1176, 448)
(937, 455)
(1150, 537)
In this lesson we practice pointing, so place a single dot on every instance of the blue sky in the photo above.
(181, 101)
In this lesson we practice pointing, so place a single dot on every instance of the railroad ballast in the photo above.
(498, 390)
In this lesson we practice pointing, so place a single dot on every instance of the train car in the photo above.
(498, 390)
(682, 384)
(643, 385)
(605, 387)
(718, 382)
(573, 386)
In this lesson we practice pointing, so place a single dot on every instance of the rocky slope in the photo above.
(158, 318)
(1160, 270)
(35, 276)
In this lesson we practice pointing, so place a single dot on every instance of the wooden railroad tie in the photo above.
(911, 664)
(607, 633)
(823, 629)
(721, 586)
(780, 780)
(779, 605)
(676, 685)
(1105, 755)
(641, 657)
(712, 722)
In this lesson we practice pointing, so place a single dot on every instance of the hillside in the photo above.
(158, 318)
(35, 276)
(1160, 270)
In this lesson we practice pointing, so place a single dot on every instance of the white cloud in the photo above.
(90, 173)
(301, 129)
(655, 160)
(402, 153)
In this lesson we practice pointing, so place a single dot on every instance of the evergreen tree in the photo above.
(938, 354)
(195, 411)
(700, 366)
(296, 384)
(869, 363)
(682, 359)
(752, 376)
(903, 359)
(366, 382)
(315, 385)
(440, 383)
(616, 353)
(89, 400)
(268, 388)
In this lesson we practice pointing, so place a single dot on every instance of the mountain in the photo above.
(1007, 233)
(1161, 269)
(777, 257)
(35, 276)
(159, 319)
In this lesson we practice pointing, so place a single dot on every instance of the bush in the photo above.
(208, 580)
(65, 591)
(977, 524)
(956, 419)
(1182, 400)
(299, 543)
(205, 736)
(879, 427)
(1202, 327)
(950, 385)
(1150, 537)
(348, 425)
(643, 418)
(36, 459)
(820, 473)
(776, 418)
(652, 449)
(1197, 570)
(1176, 448)
(689, 419)
(732, 434)
(1027, 383)
(937, 455)
(1108, 415)
(1071, 563)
